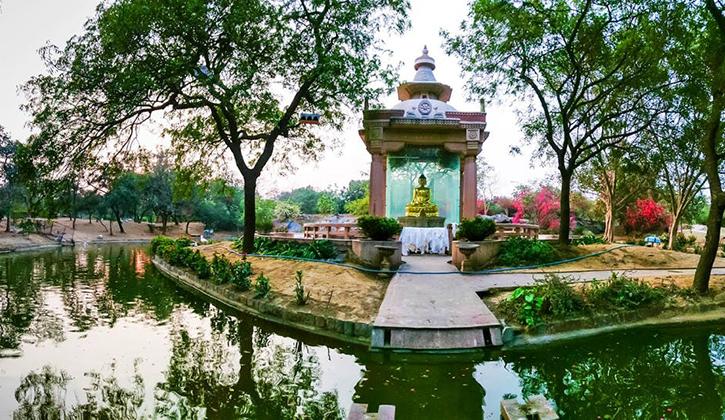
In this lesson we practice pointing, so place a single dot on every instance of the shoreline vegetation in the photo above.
(338, 302)
(559, 308)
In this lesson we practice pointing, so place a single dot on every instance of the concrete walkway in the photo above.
(449, 302)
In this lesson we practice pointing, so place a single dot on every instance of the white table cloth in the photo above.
(424, 240)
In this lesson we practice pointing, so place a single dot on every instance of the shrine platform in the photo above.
(436, 312)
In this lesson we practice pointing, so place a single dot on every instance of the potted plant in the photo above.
(380, 233)
(475, 231)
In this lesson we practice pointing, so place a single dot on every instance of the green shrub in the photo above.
(476, 229)
(588, 238)
(316, 250)
(379, 228)
(552, 297)
(261, 287)
(623, 292)
(300, 289)
(221, 269)
(518, 251)
(241, 274)
(682, 243)
(179, 253)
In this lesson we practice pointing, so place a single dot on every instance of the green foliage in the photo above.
(623, 292)
(286, 210)
(316, 250)
(327, 204)
(222, 269)
(306, 198)
(379, 228)
(179, 253)
(265, 210)
(261, 287)
(241, 275)
(300, 295)
(682, 243)
(27, 226)
(359, 207)
(552, 297)
(476, 229)
(519, 251)
(588, 238)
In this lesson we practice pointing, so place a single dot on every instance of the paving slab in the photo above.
(432, 301)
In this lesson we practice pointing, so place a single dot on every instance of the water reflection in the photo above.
(102, 335)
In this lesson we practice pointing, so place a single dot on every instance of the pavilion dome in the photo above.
(424, 97)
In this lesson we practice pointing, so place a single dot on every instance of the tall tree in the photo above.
(617, 176)
(231, 74)
(590, 66)
(669, 140)
(8, 176)
(707, 49)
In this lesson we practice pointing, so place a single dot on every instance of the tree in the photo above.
(617, 176)
(233, 75)
(159, 191)
(124, 197)
(305, 197)
(670, 141)
(706, 68)
(8, 176)
(590, 65)
(327, 204)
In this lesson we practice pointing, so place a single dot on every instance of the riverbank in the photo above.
(321, 317)
(558, 309)
(96, 233)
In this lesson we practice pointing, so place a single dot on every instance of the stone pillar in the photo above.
(377, 184)
(469, 191)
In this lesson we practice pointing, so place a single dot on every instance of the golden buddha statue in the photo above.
(421, 206)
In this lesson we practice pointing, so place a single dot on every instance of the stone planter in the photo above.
(485, 254)
(364, 252)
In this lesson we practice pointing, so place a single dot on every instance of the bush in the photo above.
(476, 229)
(379, 228)
(316, 250)
(552, 297)
(221, 269)
(518, 251)
(178, 253)
(682, 243)
(241, 274)
(300, 289)
(588, 238)
(261, 287)
(623, 292)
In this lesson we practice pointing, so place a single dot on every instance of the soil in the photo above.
(627, 258)
(354, 295)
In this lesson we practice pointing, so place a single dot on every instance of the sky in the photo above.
(28, 25)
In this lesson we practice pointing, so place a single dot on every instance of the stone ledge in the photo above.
(348, 331)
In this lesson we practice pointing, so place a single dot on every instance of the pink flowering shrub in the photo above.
(646, 216)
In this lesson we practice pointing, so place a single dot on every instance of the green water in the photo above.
(98, 333)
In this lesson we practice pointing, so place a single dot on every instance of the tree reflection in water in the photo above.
(204, 379)
(644, 374)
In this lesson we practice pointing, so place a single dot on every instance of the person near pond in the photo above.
(421, 205)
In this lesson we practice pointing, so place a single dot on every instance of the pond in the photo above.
(98, 332)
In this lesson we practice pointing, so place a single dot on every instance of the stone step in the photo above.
(435, 338)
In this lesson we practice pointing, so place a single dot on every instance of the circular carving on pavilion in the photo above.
(472, 134)
(424, 107)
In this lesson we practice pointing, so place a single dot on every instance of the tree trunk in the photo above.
(186, 231)
(7, 226)
(609, 223)
(120, 225)
(110, 226)
(250, 215)
(164, 221)
(565, 208)
(674, 227)
(701, 282)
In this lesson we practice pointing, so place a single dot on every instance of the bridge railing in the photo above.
(507, 230)
(331, 231)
